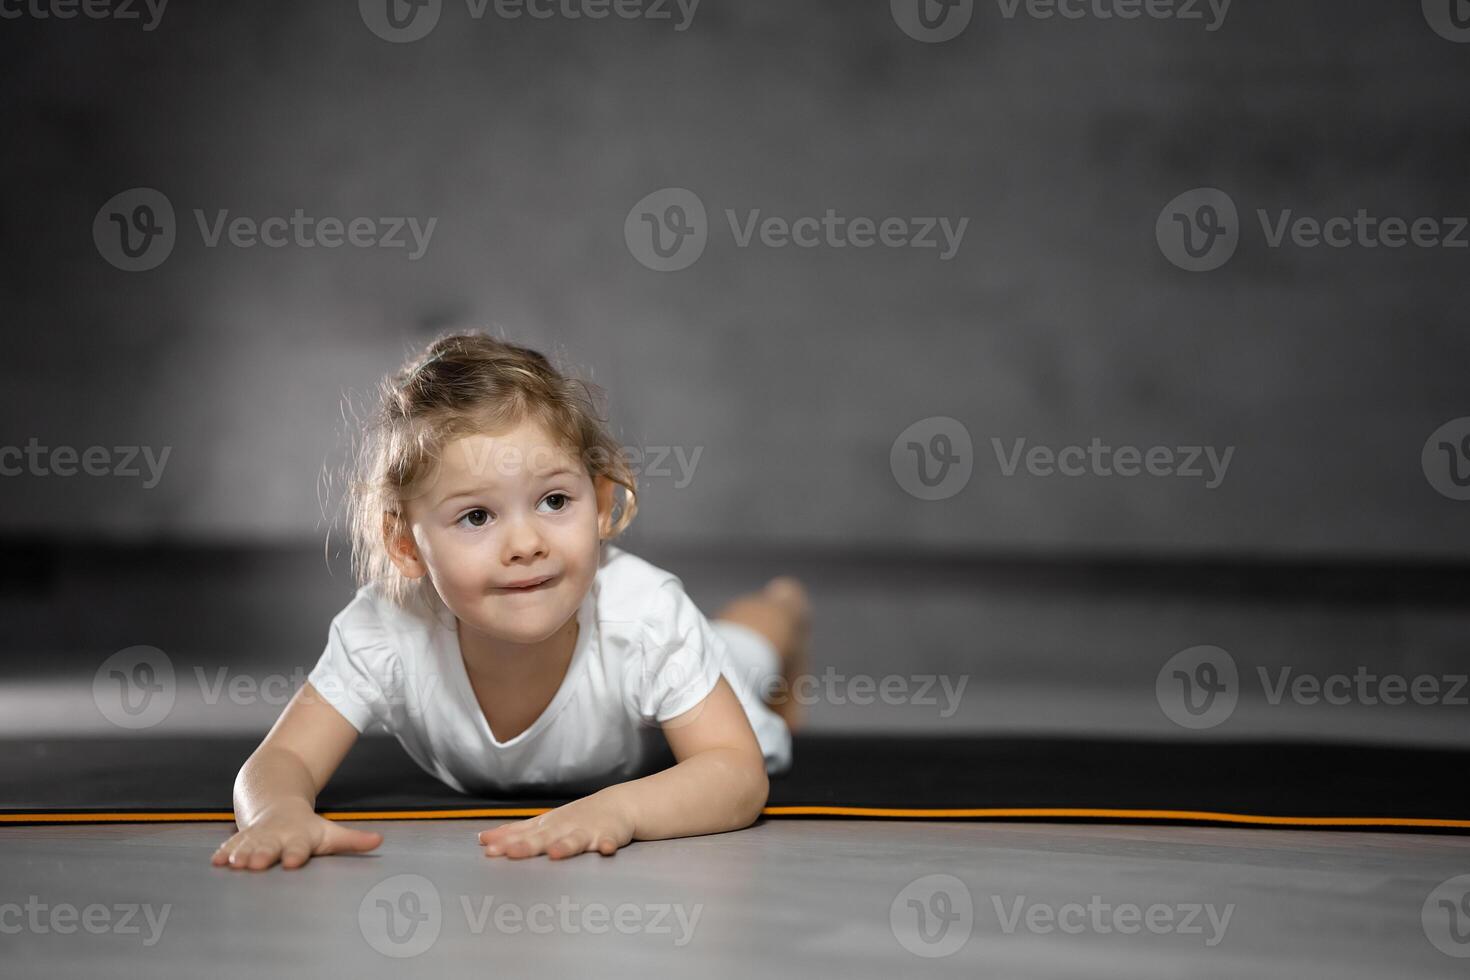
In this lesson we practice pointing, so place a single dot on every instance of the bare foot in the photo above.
(781, 612)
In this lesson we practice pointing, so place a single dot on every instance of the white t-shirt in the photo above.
(644, 654)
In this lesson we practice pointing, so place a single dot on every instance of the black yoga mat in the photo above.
(1271, 784)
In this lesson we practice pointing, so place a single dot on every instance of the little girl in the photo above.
(509, 645)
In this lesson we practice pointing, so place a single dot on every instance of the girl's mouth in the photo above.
(533, 585)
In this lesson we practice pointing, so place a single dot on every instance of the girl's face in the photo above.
(508, 532)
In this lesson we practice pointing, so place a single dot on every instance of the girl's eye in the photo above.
(475, 518)
(558, 496)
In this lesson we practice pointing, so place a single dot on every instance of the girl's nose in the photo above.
(523, 543)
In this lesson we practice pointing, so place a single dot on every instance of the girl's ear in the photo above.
(605, 490)
(401, 548)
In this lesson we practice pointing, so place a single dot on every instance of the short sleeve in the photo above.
(355, 673)
(682, 655)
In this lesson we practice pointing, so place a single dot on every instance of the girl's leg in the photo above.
(779, 614)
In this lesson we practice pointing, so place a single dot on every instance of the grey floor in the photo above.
(783, 898)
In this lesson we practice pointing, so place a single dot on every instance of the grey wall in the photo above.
(795, 369)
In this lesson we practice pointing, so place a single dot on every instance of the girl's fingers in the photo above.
(259, 853)
(339, 839)
(497, 840)
(570, 845)
(486, 836)
(523, 847)
(263, 857)
(223, 852)
(257, 850)
(240, 854)
(295, 854)
(555, 843)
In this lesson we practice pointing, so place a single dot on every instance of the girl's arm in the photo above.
(719, 783)
(276, 789)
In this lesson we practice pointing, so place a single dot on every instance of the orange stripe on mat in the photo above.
(788, 811)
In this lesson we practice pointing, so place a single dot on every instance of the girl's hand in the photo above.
(601, 822)
(292, 833)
